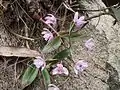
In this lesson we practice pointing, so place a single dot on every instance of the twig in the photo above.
(19, 36)
(15, 71)
(26, 30)
(98, 16)
(23, 10)
(22, 37)
(64, 82)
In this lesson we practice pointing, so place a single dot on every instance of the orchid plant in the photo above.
(54, 40)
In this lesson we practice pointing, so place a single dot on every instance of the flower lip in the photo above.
(80, 66)
(47, 35)
(60, 69)
(39, 63)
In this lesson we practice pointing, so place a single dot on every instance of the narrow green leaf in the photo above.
(63, 54)
(29, 75)
(52, 45)
(46, 76)
(116, 13)
(71, 27)
(73, 36)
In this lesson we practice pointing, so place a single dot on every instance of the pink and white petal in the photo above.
(76, 71)
(44, 32)
(46, 36)
(85, 64)
(79, 22)
(55, 71)
(90, 44)
(45, 29)
(38, 63)
(75, 17)
(82, 18)
(49, 22)
(52, 17)
(65, 71)
(52, 87)
(47, 18)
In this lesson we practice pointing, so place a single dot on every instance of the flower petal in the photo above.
(65, 71)
(52, 87)
(47, 35)
(39, 62)
(80, 66)
(80, 23)
(44, 32)
(45, 29)
(50, 19)
(82, 18)
(55, 71)
(89, 44)
(75, 17)
(76, 71)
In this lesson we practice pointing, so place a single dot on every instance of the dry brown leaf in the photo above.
(18, 52)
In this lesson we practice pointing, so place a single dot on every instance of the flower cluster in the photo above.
(52, 21)
(60, 69)
(81, 65)
(49, 34)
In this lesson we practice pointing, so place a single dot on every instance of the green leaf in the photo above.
(29, 75)
(52, 45)
(116, 13)
(73, 36)
(71, 27)
(46, 76)
(63, 54)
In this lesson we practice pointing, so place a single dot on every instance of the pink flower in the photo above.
(79, 22)
(39, 63)
(80, 66)
(60, 70)
(89, 44)
(51, 20)
(52, 87)
(47, 35)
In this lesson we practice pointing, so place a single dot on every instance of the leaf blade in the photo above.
(29, 75)
(61, 55)
(52, 45)
(46, 77)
